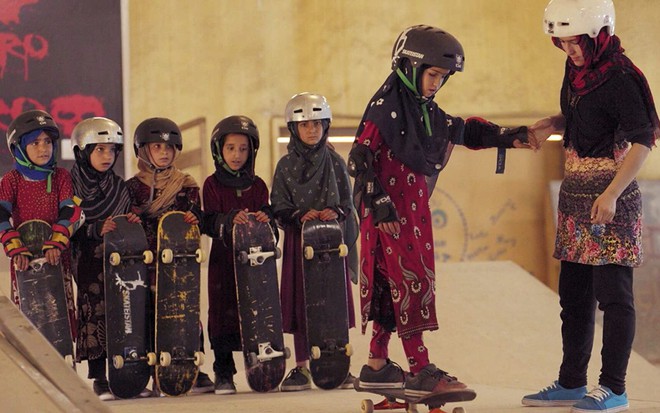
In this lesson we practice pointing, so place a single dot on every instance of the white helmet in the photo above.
(307, 106)
(566, 18)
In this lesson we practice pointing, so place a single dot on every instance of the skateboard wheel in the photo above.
(349, 349)
(458, 410)
(278, 253)
(309, 252)
(165, 358)
(316, 352)
(167, 256)
(367, 406)
(343, 250)
(287, 353)
(115, 259)
(151, 359)
(148, 257)
(199, 358)
(117, 362)
(199, 255)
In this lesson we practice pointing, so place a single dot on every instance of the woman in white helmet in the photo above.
(609, 123)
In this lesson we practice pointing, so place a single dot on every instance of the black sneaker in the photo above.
(102, 390)
(431, 380)
(298, 379)
(391, 376)
(203, 384)
(349, 382)
(224, 385)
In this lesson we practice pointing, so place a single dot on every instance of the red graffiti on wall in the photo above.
(32, 46)
(10, 10)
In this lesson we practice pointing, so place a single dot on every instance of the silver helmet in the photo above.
(96, 130)
(307, 106)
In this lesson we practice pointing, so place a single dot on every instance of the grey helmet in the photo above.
(307, 106)
(430, 46)
(27, 122)
(96, 130)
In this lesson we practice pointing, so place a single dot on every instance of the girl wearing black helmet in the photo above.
(229, 194)
(610, 123)
(38, 189)
(159, 187)
(403, 142)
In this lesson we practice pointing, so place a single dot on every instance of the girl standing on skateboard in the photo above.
(38, 189)
(403, 142)
(610, 124)
(96, 142)
(160, 187)
(229, 194)
(310, 182)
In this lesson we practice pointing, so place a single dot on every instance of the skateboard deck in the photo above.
(41, 290)
(259, 309)
(326, 302)
(177, 304)
(125, 255)
(397, 399)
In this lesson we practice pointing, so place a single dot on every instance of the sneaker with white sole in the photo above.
(299, 378)
(203, 384)
(431, 380)
(348, 383)
(391, 376)
(102, 389)
(555, 395)
(601, 399)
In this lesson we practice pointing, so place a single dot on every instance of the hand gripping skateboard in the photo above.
(326, 302)
(41, 290)
(125, 255)
(177, 304)
(397, 399)
(259, 309)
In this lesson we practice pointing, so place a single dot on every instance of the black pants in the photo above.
(581, 287)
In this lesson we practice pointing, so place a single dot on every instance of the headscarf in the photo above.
(26, 167)
(103, 194)
(413, 127)
(169, 180)
(603, 58)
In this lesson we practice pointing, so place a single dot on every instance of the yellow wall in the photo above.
(213, 58)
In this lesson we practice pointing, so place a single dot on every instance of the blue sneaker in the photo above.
(555, 395)
(601, 399)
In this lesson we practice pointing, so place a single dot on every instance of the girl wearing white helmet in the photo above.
(405, 139)
(609, 122)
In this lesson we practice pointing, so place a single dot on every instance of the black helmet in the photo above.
(427, 45)
(234, 124)
(154, 130)
(27, 122)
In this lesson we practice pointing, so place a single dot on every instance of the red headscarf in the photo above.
(603, 58)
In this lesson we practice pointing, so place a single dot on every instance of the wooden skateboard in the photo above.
(177, 304)
(326, 302)
(41, 290)
(397, 399)
(125, 255)
(259, 309)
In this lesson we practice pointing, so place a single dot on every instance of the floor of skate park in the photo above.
(499, 332)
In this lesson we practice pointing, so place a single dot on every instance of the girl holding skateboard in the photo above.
(310, 182)
(229, 194)
(160, 187)
(610, 124)
(96, 144)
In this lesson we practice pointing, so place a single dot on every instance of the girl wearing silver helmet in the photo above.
(403, 142)
(609, 123)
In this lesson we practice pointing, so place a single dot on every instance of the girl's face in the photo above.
(235, 150)
(572, 48)
(432, 79)
(310, 131)
(103, 156)
(40, 150)
(162, 154)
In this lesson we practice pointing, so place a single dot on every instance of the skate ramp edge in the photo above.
(35, 378)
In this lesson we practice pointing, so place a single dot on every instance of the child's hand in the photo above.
(52, 255)
(390, 228)
(133, 219)
(190, 218)
(241, 217)
(310, 215)
(261, 216)
(21, 262)
(108, 226)
(328, 214)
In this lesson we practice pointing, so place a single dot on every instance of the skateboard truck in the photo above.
(309, 252)
(331, 347)
(179, 354)
(257, 257)
(38, 263)
(131, 355)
